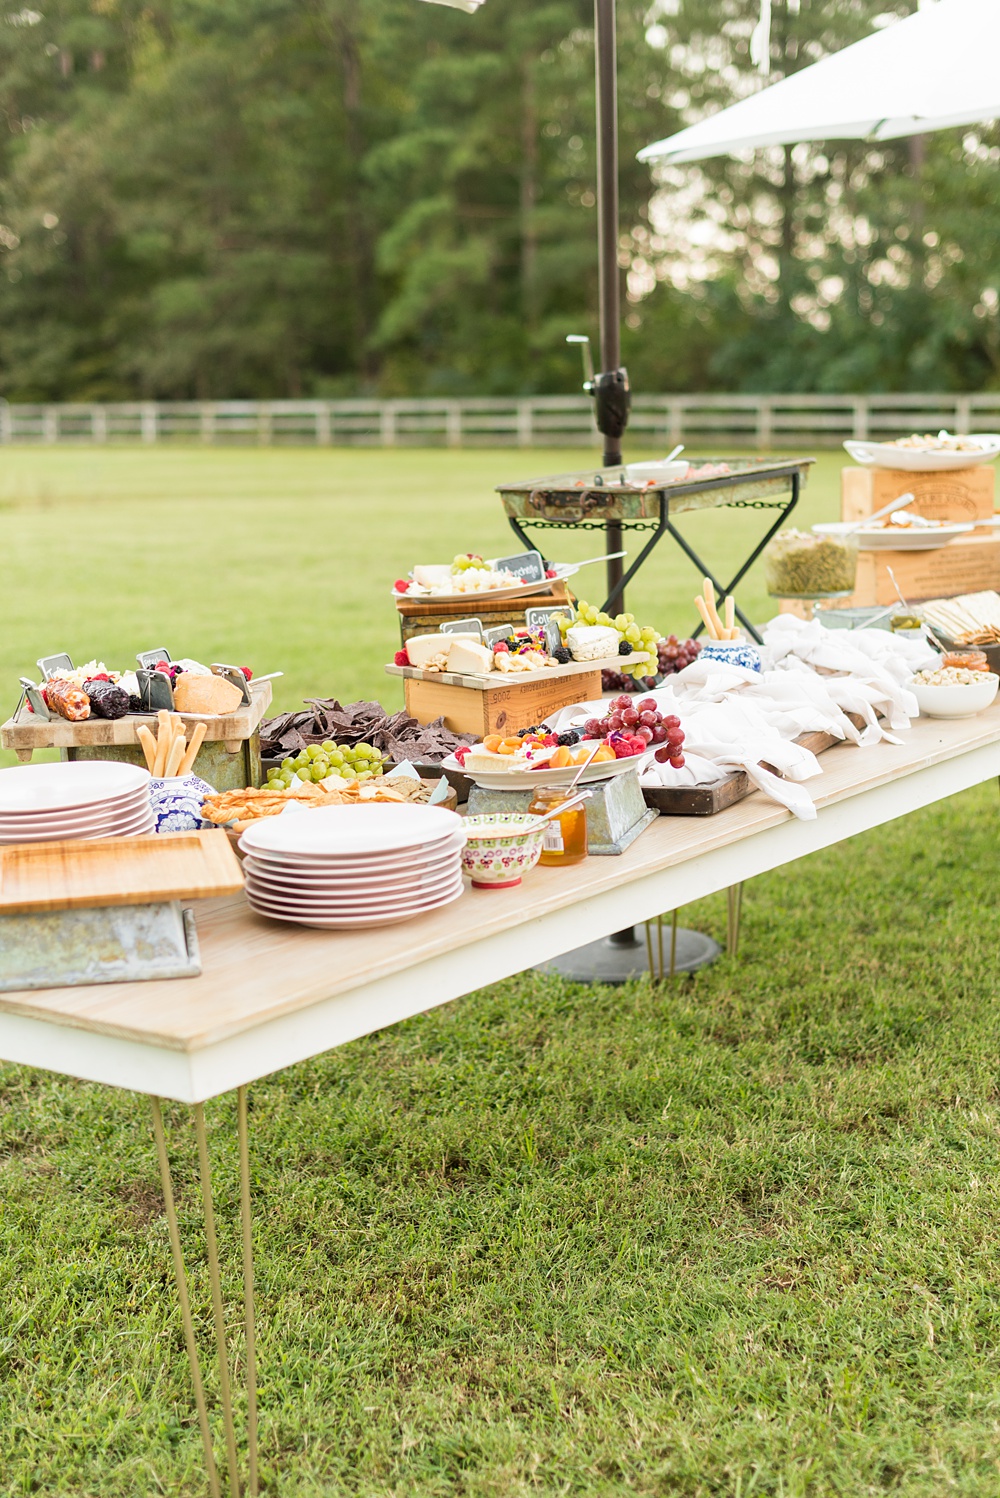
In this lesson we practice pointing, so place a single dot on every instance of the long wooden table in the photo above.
(273, 994)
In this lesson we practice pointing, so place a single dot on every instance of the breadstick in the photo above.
(730, 617)
(707, 619)
(174, 755)
(720, 632)
(163, 738)
(187, 763)
(148, 745)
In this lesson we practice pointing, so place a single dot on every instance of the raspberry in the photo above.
(401, 658)
(400, 585)
(247, 672)
(550, 572)
(501, 648)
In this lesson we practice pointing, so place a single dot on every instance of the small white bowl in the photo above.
(959, 701)
(659, 473)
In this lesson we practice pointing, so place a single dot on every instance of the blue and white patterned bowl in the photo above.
(731, 653)
(177, 802)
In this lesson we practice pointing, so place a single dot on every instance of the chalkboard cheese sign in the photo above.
(527, 566)
(546, 619)
(149, 658)
(492, 637)
(463, 627)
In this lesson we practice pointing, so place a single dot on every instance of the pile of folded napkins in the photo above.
(811, 679)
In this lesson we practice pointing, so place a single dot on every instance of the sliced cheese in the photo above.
(205, 694)
(423, 648)
(469, 655)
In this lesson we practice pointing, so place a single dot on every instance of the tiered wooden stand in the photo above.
(425, 616)
(499, 702)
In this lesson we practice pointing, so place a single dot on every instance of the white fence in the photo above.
(704, 421)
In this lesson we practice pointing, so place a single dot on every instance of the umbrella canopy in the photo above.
(937, 68)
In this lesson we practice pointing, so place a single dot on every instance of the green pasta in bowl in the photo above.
(800, 565)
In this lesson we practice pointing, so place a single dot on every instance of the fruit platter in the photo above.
(470, 576)
(594, 749)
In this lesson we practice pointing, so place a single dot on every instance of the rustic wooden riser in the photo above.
(706, 800)
(25, 732)
(425, 616)
(522, 702)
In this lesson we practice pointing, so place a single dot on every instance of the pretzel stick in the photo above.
(148, 745)
(187, 763)
(730, 617)
(707, 619)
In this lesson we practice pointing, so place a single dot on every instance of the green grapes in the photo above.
(643, 638)
(321, 761)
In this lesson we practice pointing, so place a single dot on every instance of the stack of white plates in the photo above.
(83, 799)
(345, 866)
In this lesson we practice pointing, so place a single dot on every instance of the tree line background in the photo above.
(265, 198)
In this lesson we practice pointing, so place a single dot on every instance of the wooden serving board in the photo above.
(26, 732)
(706, 800)
(491, 681)
(117, 871)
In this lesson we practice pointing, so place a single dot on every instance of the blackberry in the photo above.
(562, 655)
(570, 737)
(624, 648)
(135, 704)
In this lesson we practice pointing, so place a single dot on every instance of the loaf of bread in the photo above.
(205, 694)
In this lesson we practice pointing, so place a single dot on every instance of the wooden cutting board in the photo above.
(117, 871)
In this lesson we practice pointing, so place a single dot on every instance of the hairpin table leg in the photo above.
(183, 1298)
(734, 901)
(215, 1280)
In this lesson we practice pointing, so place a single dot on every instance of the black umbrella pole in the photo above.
(609, 290)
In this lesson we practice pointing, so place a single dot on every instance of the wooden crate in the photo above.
(963, 494)
(969, 565)
(518, 703)
(425, 616)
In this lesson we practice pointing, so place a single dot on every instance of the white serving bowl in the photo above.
(958, 701)
(660, 473)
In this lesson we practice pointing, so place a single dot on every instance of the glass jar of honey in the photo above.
(565, 839)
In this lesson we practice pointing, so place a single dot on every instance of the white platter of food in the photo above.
(527, 780)
(927, 454)
(431, 582)
(927, 536)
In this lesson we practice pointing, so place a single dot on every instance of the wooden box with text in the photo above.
(969, 565)
(963, 494)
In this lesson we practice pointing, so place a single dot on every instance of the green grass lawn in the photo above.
(733, 1236)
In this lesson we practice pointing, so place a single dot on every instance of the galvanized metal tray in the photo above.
(608, 495)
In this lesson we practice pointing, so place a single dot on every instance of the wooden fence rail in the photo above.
(658, 421)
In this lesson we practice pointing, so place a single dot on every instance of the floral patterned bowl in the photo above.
(500, 847)
(731, 653)
(177, 802)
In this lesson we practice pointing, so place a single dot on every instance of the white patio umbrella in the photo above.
(936, 68)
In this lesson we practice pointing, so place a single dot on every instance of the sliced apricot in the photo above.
(492, 742)
(505, 747)
(603, 755)
(561, 758)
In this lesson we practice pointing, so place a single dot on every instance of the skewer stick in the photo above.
(148, 745)
(187, 763)
(707, 619)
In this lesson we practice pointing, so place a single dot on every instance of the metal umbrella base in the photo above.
(636, 952)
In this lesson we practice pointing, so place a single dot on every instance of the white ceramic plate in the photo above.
(351, 903)
(105, 811)
(355, 866)
(132, 829)
(960, 701)
(882, 455)
(360, 922)
(60, 787)
(520, 589)
(336, 831)
(523, 780)
(400, 879)
(896, 537)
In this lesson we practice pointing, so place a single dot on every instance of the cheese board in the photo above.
(116, 871)
(495, 680)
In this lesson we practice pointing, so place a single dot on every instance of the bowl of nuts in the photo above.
(954, 691)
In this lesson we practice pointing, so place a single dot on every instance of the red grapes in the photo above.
(630, 728)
